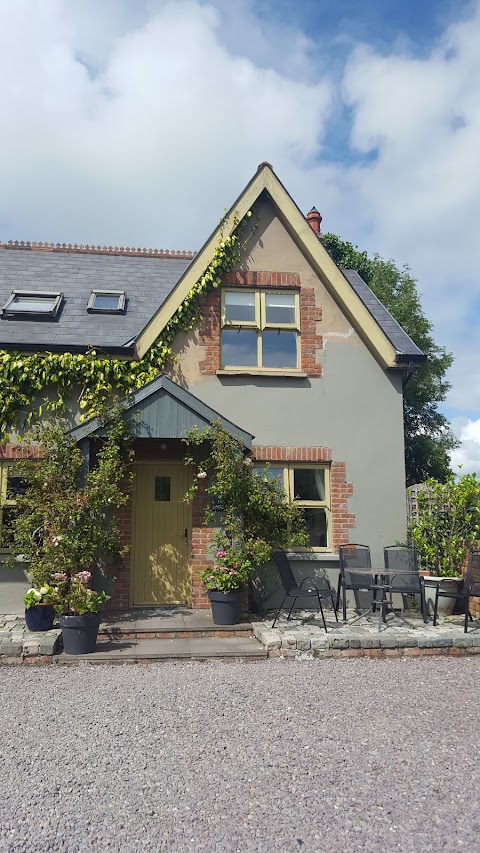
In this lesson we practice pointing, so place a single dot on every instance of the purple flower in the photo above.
(59, 576)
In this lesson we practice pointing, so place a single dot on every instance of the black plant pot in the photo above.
(79, 633)
(226, 606)
(39, 617)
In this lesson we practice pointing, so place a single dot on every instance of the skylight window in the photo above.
(32, 303)
(106, 301)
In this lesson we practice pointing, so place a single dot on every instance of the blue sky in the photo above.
(136, 122)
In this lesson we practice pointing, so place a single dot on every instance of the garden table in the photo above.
(380, 583)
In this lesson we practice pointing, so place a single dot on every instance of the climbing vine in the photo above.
(25, 378)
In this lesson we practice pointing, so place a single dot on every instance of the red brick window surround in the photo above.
(310, 342)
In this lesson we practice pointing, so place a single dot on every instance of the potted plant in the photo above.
(252, 510)
(40, 607)
(65, 526)
(224, 582)
(443, 529)
(78, 606)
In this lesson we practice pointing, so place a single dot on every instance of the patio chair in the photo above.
(293, 590)
(353, 557)
(470, 586)
(408, 581)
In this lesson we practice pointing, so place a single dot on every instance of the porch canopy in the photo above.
(161, 409)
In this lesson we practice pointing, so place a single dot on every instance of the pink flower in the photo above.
(233, 572)
(84, 576)
(221, 553)
(201, 475)
(59, 576)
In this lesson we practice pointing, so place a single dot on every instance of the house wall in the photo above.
(346, 403)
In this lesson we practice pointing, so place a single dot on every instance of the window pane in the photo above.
(107, 301)
(280, 308)
(37, 304)
(7, 518)
(239, 307)
(162, 488)
(269, 473)
(279, 349)
(15, 485)
(239, 348)
(316, 521)
(309, 484)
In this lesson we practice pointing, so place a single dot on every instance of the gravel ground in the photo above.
(354, 755)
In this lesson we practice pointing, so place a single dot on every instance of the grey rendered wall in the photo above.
(355, 408)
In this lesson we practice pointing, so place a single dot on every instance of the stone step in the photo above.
(154, 649)
(109, 634)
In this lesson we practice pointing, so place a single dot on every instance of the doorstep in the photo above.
(148, 623)
(158, 649)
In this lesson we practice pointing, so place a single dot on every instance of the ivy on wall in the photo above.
(25, 378)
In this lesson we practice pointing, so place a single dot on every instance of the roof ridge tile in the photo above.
(75, 248)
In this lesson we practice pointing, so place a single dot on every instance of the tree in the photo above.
(428, 437)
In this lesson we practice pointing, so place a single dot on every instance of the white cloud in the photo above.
(151, 148)
(468, 453)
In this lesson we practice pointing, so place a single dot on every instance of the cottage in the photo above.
(297, 358)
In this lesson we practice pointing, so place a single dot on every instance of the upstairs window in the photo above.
(260, 329)
(34, 303)
(106, 302)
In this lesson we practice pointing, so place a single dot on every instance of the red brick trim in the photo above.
(310, 314)
(19, 451)
(271, 453)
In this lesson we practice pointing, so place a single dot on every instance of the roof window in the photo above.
(32, 303)
(106, 301)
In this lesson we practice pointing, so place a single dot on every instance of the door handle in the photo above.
(185, 536)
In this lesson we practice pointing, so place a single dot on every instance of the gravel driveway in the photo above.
(354, 755)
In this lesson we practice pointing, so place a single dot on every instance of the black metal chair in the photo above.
(470, 586)
(293, 590)
(353, 557)
(408, 582)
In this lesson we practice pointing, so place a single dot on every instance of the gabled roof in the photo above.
(156, 283)
(164, 410)
(350, 299)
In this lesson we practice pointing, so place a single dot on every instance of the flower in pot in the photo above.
(39, 607)
(224, 582)
(78, 606)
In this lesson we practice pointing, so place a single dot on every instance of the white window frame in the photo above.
(260, 324)
(287, 479)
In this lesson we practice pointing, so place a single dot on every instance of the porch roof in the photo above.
(164, 410)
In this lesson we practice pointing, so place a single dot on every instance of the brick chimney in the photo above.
(314, 219)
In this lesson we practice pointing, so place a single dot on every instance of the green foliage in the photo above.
(448, 523)
(256, 515)
(428, 438)
(25, 378)
(63, 528)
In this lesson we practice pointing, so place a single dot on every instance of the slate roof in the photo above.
(405, 348)
(146, 280)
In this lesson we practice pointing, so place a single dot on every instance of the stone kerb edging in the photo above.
(18, 644)
(306, 642)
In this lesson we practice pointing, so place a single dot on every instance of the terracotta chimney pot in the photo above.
(314, 219)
